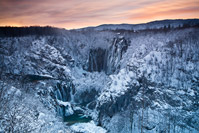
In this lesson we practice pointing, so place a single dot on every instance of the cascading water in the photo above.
(64, 93)
(108, 60)
(97, 60)
(65, 98)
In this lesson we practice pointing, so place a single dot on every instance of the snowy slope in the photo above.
(104, 79)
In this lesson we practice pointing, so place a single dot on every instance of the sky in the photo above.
(72, 14)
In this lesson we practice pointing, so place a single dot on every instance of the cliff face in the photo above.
(108, 60)
(122, 81)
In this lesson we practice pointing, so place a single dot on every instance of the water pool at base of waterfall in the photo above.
(77, 118)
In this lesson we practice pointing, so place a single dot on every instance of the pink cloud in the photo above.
(81, 13)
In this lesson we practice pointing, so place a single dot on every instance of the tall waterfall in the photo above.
(108, 60)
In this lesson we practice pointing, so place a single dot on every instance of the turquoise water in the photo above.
(77, 118)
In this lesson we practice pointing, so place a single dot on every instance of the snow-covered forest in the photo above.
(112, 78)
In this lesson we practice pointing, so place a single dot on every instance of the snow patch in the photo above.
(87, 128)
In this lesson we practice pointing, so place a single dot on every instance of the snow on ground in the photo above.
(87, 128)
(118, 85)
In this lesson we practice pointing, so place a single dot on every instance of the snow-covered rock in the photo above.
(87, 128)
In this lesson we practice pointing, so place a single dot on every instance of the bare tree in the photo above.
(12, 112)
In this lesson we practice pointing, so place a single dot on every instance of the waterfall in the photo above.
(96, 60)
(108, 60)
(64, 93)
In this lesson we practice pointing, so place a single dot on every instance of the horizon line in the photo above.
(20, 26)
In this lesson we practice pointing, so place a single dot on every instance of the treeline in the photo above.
(165, 28)
(27, 31)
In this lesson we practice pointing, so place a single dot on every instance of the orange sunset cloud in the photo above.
(71, 14)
